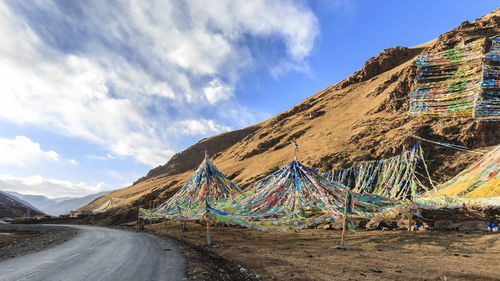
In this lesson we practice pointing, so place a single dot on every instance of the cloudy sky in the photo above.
(95, 93)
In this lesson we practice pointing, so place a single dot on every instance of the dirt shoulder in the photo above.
(17, 240)
(309, 254)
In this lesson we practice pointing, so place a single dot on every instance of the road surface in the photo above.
(98, 253)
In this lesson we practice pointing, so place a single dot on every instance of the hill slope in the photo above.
(38, 201)
(11, 206)
(363, 117)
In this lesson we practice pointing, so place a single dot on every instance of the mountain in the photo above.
(39, 201)
(363, 117)
(72, 204)
(11, 206)
(56, 206)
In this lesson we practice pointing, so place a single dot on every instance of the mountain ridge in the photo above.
(55, 206)
(11, 206)
(72, 204)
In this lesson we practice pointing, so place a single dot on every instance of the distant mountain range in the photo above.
(11, 206)
(53, 206)
(72, 204)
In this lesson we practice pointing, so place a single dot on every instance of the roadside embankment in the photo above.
(17, 239)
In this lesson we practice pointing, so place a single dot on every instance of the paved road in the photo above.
(98, 253)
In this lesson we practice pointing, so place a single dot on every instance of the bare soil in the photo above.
(17, 240)
(311, 255)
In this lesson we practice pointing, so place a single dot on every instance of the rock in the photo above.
(378, 223)
(402, 223)
(473, 225)
(387, 59)
(337, 224)
(446, 225)
(374, 223)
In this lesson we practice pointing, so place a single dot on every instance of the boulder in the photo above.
(381, 223)
(446, 225)
(473, 225)
(374, 223)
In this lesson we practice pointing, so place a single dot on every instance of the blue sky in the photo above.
(96, 93)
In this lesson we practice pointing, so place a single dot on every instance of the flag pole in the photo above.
(209, 238)
(150, 217)
(181, 234)
(295, 149)
(410, 215)
(344, 222)
(138, 218)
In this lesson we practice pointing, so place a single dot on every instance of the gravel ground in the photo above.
(247, 254)
(17, 240)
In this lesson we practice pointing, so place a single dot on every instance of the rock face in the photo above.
(364, 117)
(386, 60)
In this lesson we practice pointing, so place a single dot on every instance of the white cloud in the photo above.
(49, 187)
(217, 91)
(73, 162)
(202, 127)
(97, 157)
(134, 77)
(21, 151)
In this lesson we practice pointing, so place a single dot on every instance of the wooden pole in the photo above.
(138, 218)
(344, 226)
(150, 218)
(344, 223)
(209, 240)
(409, 220)
(410, 215)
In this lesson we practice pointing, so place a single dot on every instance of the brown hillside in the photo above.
(363, 117)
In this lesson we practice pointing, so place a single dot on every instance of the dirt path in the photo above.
(372, 255)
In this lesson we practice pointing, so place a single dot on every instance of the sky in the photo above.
(93, 94)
